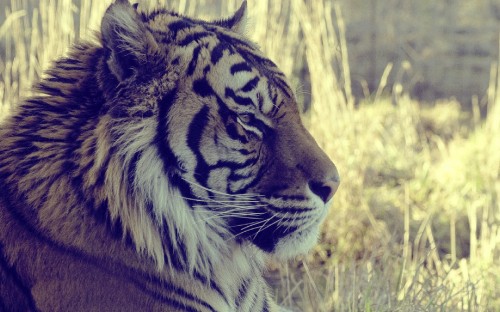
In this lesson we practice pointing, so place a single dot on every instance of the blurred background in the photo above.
(403, 95)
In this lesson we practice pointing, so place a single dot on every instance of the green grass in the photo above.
(415, 225)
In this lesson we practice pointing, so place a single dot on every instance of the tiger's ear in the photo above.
(238, 22)
(127, 38)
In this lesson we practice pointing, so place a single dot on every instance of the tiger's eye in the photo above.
(245, 118)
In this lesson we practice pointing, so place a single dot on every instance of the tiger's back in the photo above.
(156, 170)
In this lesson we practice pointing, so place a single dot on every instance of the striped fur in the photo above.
(156, 169)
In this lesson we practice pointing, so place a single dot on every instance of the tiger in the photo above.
(157, 167)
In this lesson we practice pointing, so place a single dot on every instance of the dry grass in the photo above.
(416, 223)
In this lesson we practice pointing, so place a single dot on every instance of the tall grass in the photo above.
(415, 225)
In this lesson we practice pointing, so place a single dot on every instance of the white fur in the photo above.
(186, 225)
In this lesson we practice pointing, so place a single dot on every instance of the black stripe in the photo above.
(177, 254)
(232, 187)
(115, 226)
(273, 95)
(243, 151)
(182, 306)
(260, 98)
(42, 87)
(240, 67)
(224, 112)
(238, 99)
(39, 105)
(202, 87)
(236, 42)
(218, 52)
(235, 165)
(254, 301)
(179, 25)
(258, 177)
(281, 116)
(258, 60)
(101, 177)
(91, 150)
(164, 150)
(69, 167)
(101, 210)
(266, 66)
(194, 135)
(194, 61)
(158, 11)
(81, 47)
(283, 86)
(289, 210)
(259, 124)
(249, 86)
(266, 306)
(28, 139)
(194, 37)
(242, 292)
(228, 120)
(60, 79)
(143, 114)
(235, 177)
(69, 61)
(183, 187)
(176, 61)
(289, 197)
(213, 285)
(232, 132)
(132, 168)
(75, 68)
(206, 69)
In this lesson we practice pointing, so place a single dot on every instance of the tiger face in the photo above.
(227, 126)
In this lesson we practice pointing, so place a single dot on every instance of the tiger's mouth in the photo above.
(270, 230)
(267, 221)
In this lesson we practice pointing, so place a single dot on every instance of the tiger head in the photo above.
(211, 133)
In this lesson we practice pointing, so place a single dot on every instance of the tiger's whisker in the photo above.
(264, 227)
(219, 192)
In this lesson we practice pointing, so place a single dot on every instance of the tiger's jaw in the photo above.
(285, 244)
(283, 233)
(297, 243)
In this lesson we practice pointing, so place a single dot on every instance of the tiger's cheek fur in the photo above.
(205, 153)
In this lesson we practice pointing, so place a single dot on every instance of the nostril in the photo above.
(325, 190)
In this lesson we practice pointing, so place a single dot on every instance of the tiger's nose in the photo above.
(325, 189)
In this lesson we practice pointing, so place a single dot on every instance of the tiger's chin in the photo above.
(281, 243)
(296, 244)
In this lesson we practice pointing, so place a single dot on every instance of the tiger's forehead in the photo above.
(175, 26)
(243, 59)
